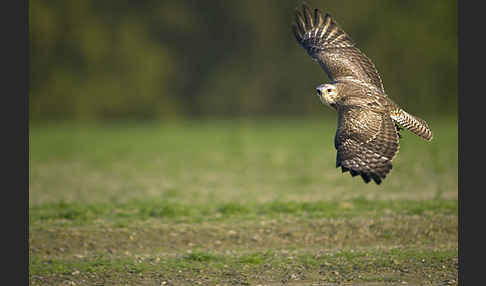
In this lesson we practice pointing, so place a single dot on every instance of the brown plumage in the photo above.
(367, 136)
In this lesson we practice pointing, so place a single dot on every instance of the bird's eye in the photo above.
(329, 90)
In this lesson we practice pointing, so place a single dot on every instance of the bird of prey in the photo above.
(367, 135)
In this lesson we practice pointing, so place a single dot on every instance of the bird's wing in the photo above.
(366, 142)
(333, 49)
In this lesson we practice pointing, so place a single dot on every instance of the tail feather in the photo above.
(414, 124)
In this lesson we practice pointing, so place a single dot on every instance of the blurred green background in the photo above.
(177, 59)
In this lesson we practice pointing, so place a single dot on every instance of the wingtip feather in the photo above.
(367, 177)
(309, 24)
(297, 33)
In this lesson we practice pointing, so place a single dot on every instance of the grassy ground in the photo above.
(236, 202)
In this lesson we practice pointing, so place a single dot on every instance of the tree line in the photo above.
(185, 58)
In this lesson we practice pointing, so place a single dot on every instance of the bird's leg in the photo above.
(399, 128)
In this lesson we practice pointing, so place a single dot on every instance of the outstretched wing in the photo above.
(366, 142)
(333, 49)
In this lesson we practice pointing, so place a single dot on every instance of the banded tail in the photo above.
(414, 124)
(315, 32)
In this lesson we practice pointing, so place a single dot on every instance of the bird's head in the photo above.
(327, 93)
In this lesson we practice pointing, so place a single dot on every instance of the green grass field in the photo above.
(236, 202)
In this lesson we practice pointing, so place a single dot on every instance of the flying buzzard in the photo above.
(367, 135)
